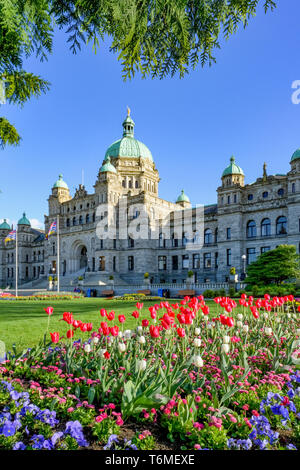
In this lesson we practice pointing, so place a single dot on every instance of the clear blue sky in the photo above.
(241, 106)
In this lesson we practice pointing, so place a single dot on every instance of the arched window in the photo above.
(207, 236)
(94, 217)
(68, 223)
(280, 192)
(136, 184)
(87, 218)
(281, 225)
(265, 194)
(196, 238)
(74, 220)
(124, 184)
(216, 235)
(80, 219)
(266, 228)
(251, 229)
(174, 240)
(250, 197)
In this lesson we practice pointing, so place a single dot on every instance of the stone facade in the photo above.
(246, 220)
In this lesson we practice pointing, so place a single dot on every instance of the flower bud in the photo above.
(197, 342)
(226, 339)
(139, 330)
(197, 331)
(246, 328)
(239, 324)
(141, 365)
(95, 340)
(122, 347)
(225, 348)
(87, 348)
(240, 316)
(142, 340)
(127, 334)
(197, 361)
(268, 331)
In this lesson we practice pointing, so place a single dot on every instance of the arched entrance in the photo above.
(79, 257)
(83, 258)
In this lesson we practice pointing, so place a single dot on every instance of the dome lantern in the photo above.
(60, 183)
(128, 125)
(233, 174)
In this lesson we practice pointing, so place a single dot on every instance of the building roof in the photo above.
(183, 197)
(233, 169)
(4, 225)
(128, 146)
(24, 220)
(60, 183)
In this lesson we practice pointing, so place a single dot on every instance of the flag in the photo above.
(11, 236)
(52, 229)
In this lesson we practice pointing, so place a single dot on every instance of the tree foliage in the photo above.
(157, 38)
(274, 266)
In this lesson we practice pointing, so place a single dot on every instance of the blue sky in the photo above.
(241, 106)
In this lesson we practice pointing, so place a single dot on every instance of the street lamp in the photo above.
(244, 257)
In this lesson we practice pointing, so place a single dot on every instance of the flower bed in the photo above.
(182, 379)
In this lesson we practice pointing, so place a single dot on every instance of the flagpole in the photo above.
(17, 262)
(58, 261)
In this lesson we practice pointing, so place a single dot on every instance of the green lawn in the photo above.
(24, 323)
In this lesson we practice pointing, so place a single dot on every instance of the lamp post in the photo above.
(244, 257)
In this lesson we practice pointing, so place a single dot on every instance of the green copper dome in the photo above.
(183, 197)
(295, 155)
(24, 220)
(60, 183)
(107, 166)
(233, 169)
(128, 146)
(4, 225)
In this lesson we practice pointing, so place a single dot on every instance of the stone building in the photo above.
(247, 220)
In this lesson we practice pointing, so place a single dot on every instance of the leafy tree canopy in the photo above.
(274, 266)
(154, 37)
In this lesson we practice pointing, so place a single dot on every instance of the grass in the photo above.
(25, 323)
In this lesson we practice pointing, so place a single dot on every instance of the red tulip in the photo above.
(105, 328)
(114, 330)
(145, 322)
(181, 332)
(121, 318)
(135, 314)
(103, 312)
(106, 355)
(49, 310)
(139, 305)
(110, 316)
(154, 331)
(68, 317)
(205, 309)
(54, 337)
(70, 334)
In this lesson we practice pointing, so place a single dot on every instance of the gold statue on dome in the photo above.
(128, 111)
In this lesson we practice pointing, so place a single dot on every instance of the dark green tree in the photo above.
(274, 266)
(153, 37)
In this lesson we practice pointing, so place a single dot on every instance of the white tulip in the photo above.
(95, 340)
(225, 348)
(226, 339)
(122, 347)
(127, 334)
(298, 332)
(266, 315)
(197, 331)
(278, 320)
(87, 348)
(139, 330)
(239, 324)
(240, 316)
(141, 365)
(268, 331)
(142, 340)
(246, 328)
(197, 361)
(120, 335)
(101, 352)
(197, 342)
(289, 315)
